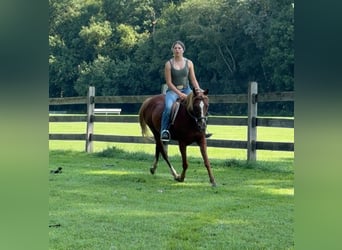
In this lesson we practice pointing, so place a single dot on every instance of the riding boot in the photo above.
(207, 135)
(164, 132)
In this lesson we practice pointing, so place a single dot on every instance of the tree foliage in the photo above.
(121, 46)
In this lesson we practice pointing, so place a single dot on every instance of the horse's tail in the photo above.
(142, 121)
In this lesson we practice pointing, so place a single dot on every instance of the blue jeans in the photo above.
(170, 98)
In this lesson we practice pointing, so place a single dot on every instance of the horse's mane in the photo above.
(189, 101)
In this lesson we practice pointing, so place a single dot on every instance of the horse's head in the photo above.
(197, 105)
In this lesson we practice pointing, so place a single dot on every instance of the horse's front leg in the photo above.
(182, 149)
(203, 148)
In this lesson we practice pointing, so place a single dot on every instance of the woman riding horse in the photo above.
(178, 70)
(188, 127)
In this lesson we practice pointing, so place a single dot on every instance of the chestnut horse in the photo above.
(188, 127)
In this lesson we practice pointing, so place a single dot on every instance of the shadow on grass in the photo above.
(284, 165)
(111, 152)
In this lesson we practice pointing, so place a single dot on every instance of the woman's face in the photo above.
(178, 49)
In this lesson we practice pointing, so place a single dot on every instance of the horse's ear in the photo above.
(195, 91)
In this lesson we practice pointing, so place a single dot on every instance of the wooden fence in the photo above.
(252, 120)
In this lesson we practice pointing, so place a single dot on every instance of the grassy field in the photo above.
(109, 200)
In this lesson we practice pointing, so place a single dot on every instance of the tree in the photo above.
(121, 46)
(271, 25)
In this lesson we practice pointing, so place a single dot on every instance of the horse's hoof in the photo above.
(179, 179)
(152, 170)
(214, 184)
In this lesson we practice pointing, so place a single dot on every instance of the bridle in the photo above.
(202, 117)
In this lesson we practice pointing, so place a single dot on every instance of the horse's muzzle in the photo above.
(202, 123)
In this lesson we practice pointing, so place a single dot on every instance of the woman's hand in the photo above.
(182, 96)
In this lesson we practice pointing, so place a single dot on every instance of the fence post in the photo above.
(90, 119)
(252, 120)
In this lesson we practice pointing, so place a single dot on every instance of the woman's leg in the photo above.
(170, 98)
(187, 90)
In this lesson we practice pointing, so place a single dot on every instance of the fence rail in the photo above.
(231, 121)
(229, 98)
(251, 121)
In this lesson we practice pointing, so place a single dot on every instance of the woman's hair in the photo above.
(178, 42)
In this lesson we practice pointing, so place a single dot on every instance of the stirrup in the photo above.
(165, 135)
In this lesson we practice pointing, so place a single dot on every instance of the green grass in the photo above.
(109, 200)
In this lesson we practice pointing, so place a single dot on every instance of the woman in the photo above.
(178, 71)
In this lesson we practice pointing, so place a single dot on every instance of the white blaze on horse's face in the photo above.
(202, 106)
(202, 123)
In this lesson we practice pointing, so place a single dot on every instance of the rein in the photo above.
(197, 119)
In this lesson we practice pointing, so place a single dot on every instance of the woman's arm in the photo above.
(192, 75)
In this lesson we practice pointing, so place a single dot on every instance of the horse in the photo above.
(187, 127)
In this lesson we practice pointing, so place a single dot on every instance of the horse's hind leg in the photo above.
(182, 149)
(163, 150)
(156, 159)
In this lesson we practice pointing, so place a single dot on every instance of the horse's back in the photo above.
(151, 111)
(152, 104)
